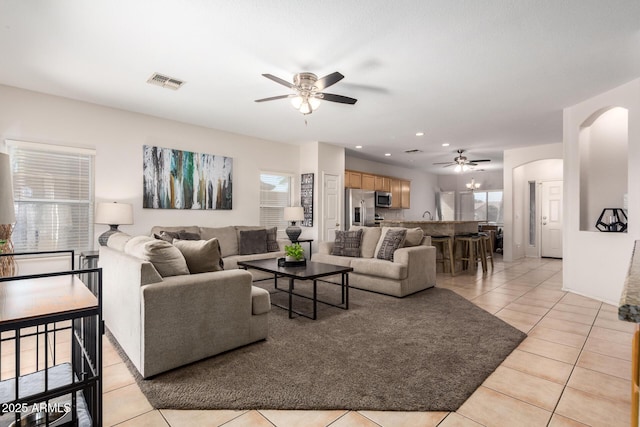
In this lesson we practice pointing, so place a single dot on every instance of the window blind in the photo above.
(53, 196)
(275, 195)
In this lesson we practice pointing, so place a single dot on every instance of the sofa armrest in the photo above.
(420, 262)
(199, 312)
(325, 247)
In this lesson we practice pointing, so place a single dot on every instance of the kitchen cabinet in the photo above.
(405, 189)
(353, 179)
(382, 183)
(396, 194)
(368, 182)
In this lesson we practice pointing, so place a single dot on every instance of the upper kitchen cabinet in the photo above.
(352, 179)
(382, 183)
(400, 194)
(368, 182)
(405, 188)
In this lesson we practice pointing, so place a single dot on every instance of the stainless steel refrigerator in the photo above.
(360, 208)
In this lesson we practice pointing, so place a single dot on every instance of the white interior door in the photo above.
(551, 219)
(331, 206)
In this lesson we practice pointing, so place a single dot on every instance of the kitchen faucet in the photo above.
(430, 216)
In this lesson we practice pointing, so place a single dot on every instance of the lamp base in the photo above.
(104, 237)
(293, 232)
(8, 266)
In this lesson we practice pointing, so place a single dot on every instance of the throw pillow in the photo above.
(165, 257)
(347, 243)
(118, 240)
(272, 239)
(392, 241)
(201, 255)
(168, 236)
(253, 242)
(414, 237)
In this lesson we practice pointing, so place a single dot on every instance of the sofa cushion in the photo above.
(253, 242)
(413, 238)
(370, 237)
(379, 268)
(344, 261)
(201, 255)
(272, 239)
(165, 257)
(347, 243)
(226, 237)
(117, 241)
(260, 300)
(392, 240)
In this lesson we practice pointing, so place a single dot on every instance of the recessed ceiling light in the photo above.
(387, 154)
(358, 146)
(419, 133)
(446, 144)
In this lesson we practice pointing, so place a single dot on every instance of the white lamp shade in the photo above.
(293, 213)
(7, 210)
(114, 213)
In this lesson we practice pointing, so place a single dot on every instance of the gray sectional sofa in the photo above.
(412, 269)
(163, 315)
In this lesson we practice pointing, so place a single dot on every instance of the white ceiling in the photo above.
(482, 75)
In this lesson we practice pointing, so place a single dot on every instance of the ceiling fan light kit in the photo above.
(461, 163)
(308, 91)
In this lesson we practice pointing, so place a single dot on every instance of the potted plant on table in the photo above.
(294, 253)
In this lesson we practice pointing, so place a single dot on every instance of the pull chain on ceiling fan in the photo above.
(308, 91)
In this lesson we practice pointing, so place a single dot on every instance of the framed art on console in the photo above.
(176, 179)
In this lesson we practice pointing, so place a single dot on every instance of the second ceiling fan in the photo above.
(462, 163)
(308, 91)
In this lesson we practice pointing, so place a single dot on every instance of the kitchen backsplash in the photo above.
(390, 213)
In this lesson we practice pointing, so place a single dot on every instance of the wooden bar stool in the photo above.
(487, 248)
(445, 243)
(471, 252)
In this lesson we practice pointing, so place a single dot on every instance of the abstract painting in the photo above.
(176, 179)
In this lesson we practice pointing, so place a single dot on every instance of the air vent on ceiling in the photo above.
(164, 81)
(414, 151)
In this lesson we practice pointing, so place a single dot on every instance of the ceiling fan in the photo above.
(308, 89)
(461, 162)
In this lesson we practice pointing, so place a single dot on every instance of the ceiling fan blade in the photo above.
(279, 80)
(337, 98)
(273, 98)
(483, 160)
(471, 164)
(328, 80)
(444, 163)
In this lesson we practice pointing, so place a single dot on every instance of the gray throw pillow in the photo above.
(253, 242)
(347, 243)
(272, 239)
(202, 256)
(392, 241)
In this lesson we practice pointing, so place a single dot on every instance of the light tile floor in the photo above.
(572, 370)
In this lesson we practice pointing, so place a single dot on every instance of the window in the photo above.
(53, 196)
(275, 195)
(486, 206)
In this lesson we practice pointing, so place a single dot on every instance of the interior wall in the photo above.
(514, 199)
(118, 137)
(424, 186)
(603, 165)
(595, 263)
(489, 180)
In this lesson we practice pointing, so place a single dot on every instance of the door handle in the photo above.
(544, 223)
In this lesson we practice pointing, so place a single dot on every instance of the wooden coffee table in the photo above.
(311, 271)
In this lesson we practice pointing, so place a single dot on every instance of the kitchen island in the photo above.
(434, 228)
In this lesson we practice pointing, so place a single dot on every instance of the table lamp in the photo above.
(113, 214)
(293, 214)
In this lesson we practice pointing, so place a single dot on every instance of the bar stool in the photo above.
(472, 251)
(487, 248)
(445, 243)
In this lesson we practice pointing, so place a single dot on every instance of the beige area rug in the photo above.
(425, 352)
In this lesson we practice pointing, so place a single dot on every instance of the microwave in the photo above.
(383, 199)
